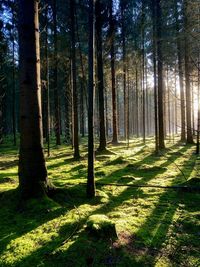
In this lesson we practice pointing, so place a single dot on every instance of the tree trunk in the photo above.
(160, 74)
(180, 72)
(33, 179)
(112, 64)
(155, 76)
(122, 7)
(14, 84)
(100, 78)
(74, 83)
(90, 178)
(46, 93)
(187, 79)
(55, 76)
(2, 80)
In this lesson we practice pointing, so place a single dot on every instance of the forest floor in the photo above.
(155, 226)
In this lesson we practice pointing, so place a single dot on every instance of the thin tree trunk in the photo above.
(187, 78)
(55, 76)
(112, 63)
(74, 83)
(160, 74)
(155, 76)
(13, 85)
(124, 65)
(90, 178)
(46, 94)
(169, 106)
(198, 117)
(2, 81)
(100, 78)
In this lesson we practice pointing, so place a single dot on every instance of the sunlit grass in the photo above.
(154, 226)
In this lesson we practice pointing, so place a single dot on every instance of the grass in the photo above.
(155, 227)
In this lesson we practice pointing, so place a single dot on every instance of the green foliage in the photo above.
(155, 227)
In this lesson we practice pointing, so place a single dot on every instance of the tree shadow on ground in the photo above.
(152, 234)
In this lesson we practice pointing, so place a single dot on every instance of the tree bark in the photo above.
(187, 78)
(55, 76)
(33, 179)
(90, 178)
(112, 64)
(155, 76)
(160, 74)
(74, 83)
(100, 78)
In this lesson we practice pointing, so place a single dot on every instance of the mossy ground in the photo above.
(155, 227)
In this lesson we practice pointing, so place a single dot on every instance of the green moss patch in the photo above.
(101, 226)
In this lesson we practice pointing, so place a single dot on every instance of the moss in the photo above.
(159, 226)
(118, 160)
(101, 226)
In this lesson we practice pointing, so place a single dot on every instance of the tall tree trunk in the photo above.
(112, 63)
(100, 78)
(122, 7)
(155, 76)
(160, 74)
(187, 77)
(180, 73)
(55, 76)
(46, 75)
(168, 101)
(33, 179)
(198, 115)
(13, 85)
(2, 80)
(74, 83)
(90, 178)
(143, 77)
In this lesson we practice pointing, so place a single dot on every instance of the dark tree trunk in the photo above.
(55, 76)
(155, 76)
(112, 63)
(74, 83)
(90, 178)
(46, 75)
(68, 105)
(198, 115)
(14, 83)
(143, 76)
(187, 78)
(122, 7)
(137, 104)
(160, 74)
(33, 179)
(82, 109)
(100, 78)
(2, 81)
(180, 72)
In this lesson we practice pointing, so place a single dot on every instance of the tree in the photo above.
(90, 178)
(100, 78)
(160, 73)
(112, 64)
(187, 76)
(55, 76)
(74, 83)
(33, 180)
(180, 72)
(2, 79)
